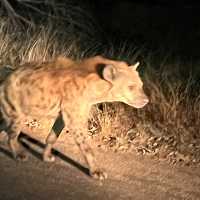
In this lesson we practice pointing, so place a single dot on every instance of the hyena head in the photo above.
(126, 85)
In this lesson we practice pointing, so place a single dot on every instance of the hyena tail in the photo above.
(3, 124)
(5, 71)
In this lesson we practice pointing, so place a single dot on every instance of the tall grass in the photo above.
(41, 30)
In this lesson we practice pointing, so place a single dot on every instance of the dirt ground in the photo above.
(130, 176)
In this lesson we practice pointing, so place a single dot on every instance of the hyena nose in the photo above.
(146, 100)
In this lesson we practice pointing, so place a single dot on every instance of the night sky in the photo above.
(171, 26)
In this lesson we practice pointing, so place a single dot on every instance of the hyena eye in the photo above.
(131, 87)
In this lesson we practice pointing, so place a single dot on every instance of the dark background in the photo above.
(163, 28)
(170, 27)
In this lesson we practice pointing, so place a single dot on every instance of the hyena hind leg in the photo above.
(51, 139)
(3, 137)
(3, 133)
(47, 154)
(16, 148)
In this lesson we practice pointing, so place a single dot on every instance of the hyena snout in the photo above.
(140, 100)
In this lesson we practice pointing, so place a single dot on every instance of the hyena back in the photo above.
(67, 88)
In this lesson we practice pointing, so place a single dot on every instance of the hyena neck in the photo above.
(102, 92)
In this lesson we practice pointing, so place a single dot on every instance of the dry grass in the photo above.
(45, 30)
(167, 128)
(44, 43)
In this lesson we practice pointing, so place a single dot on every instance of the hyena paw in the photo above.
(99, 174)
(3, 138)
(48, 158)
(22, 156)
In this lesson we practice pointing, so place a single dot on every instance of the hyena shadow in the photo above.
(32, 145)
(28, 141)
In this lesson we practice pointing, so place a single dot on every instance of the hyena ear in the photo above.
(135, 66)
(109, 73)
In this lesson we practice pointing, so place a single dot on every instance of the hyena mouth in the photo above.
(139, 103)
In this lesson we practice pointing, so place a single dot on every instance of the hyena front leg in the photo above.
(51, 139)
(79, 131)
(87, 152)
(13, 132)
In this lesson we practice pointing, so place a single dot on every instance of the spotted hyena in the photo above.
(67, 88)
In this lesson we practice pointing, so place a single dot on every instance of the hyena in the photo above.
(67, 88)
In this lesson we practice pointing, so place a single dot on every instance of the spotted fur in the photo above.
(67, 88)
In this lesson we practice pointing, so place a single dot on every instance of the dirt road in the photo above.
(130, 177)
